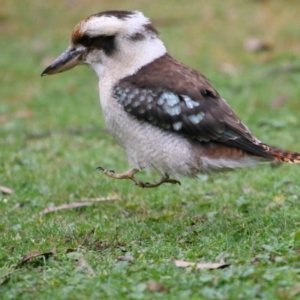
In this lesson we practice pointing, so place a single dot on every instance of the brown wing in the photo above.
(174, 97)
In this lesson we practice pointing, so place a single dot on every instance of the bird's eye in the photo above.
(86, 40)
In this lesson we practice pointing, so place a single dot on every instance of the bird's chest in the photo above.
(145, 145)
(118, 122)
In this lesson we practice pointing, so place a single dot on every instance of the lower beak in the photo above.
(66, 61)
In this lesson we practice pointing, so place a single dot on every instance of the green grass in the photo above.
(52, 137)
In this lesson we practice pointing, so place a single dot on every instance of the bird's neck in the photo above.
(125, 62)
(121, 64)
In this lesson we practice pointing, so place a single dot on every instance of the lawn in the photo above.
(52, 138)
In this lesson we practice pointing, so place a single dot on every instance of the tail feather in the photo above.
(282, 155)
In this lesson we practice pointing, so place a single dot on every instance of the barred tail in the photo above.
(282, 155)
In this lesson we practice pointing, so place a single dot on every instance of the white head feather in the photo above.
(136, 42)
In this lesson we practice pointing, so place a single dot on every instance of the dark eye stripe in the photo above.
(104, 42)
(85, 41)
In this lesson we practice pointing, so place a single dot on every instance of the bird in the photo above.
(167, 116)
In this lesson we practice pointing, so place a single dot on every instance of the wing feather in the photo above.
(174, 97)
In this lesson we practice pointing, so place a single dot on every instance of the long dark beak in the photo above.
(66, 61)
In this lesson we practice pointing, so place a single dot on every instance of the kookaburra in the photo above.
(165, 115)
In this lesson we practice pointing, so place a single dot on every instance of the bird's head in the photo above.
(100, 39)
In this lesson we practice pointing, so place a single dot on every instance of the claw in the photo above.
(100, 168)
(174, 181)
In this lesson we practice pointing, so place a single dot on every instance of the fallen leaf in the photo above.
(77, 204)
(27, 257)
(200, 266)
(256, 45)
(6, 191)
(65, 206)
(279, 101)
(30, 256)
(156, 287)
(127, 257)
(101, 199)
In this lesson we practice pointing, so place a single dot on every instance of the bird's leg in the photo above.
(126, 175)
(130, 175)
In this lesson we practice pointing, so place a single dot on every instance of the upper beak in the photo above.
(66, 61)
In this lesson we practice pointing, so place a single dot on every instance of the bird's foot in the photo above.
(163, 179)
(130, 175)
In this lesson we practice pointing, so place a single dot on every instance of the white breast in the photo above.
(147, 146)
